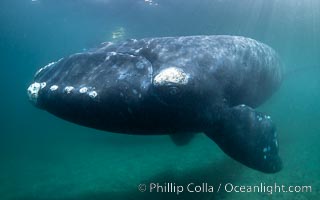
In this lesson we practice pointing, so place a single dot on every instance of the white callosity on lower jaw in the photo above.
(68, 89)
(83, 90)
(33, 90)
(54, 87)
(88, 90)
(171, 75)
(92, 94)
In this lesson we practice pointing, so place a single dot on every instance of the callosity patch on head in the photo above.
(33, 91)
(171, 75)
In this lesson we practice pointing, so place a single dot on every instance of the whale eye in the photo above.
(173, 90)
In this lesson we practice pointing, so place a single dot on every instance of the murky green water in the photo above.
(43, 157)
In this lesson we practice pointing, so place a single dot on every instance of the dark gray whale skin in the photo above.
(171, 85)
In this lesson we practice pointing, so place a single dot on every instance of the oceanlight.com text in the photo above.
(176, 188)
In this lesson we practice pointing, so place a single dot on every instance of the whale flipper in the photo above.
(249, 137)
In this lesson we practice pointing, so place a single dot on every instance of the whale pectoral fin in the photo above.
(248, 137)
(181, 139)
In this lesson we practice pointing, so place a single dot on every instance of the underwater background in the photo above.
(43, 157)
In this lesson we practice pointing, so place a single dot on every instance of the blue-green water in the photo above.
(43, 157)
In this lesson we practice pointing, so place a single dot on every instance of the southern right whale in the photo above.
(171, 85)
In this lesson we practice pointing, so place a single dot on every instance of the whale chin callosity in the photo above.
(171, 85)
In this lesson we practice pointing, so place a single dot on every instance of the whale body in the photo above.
(171, 85)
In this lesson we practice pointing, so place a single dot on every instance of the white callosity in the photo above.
(171, 75)
(259, 117)
(33, 91)
(92, 94)
(68, 89)
(54, 87)
(265, 151)
(83, 90)
(35, 87)
(43, 85)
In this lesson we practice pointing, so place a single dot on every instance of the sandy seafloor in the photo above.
(43, 157)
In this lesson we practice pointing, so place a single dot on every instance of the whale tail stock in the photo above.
(249, 137)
